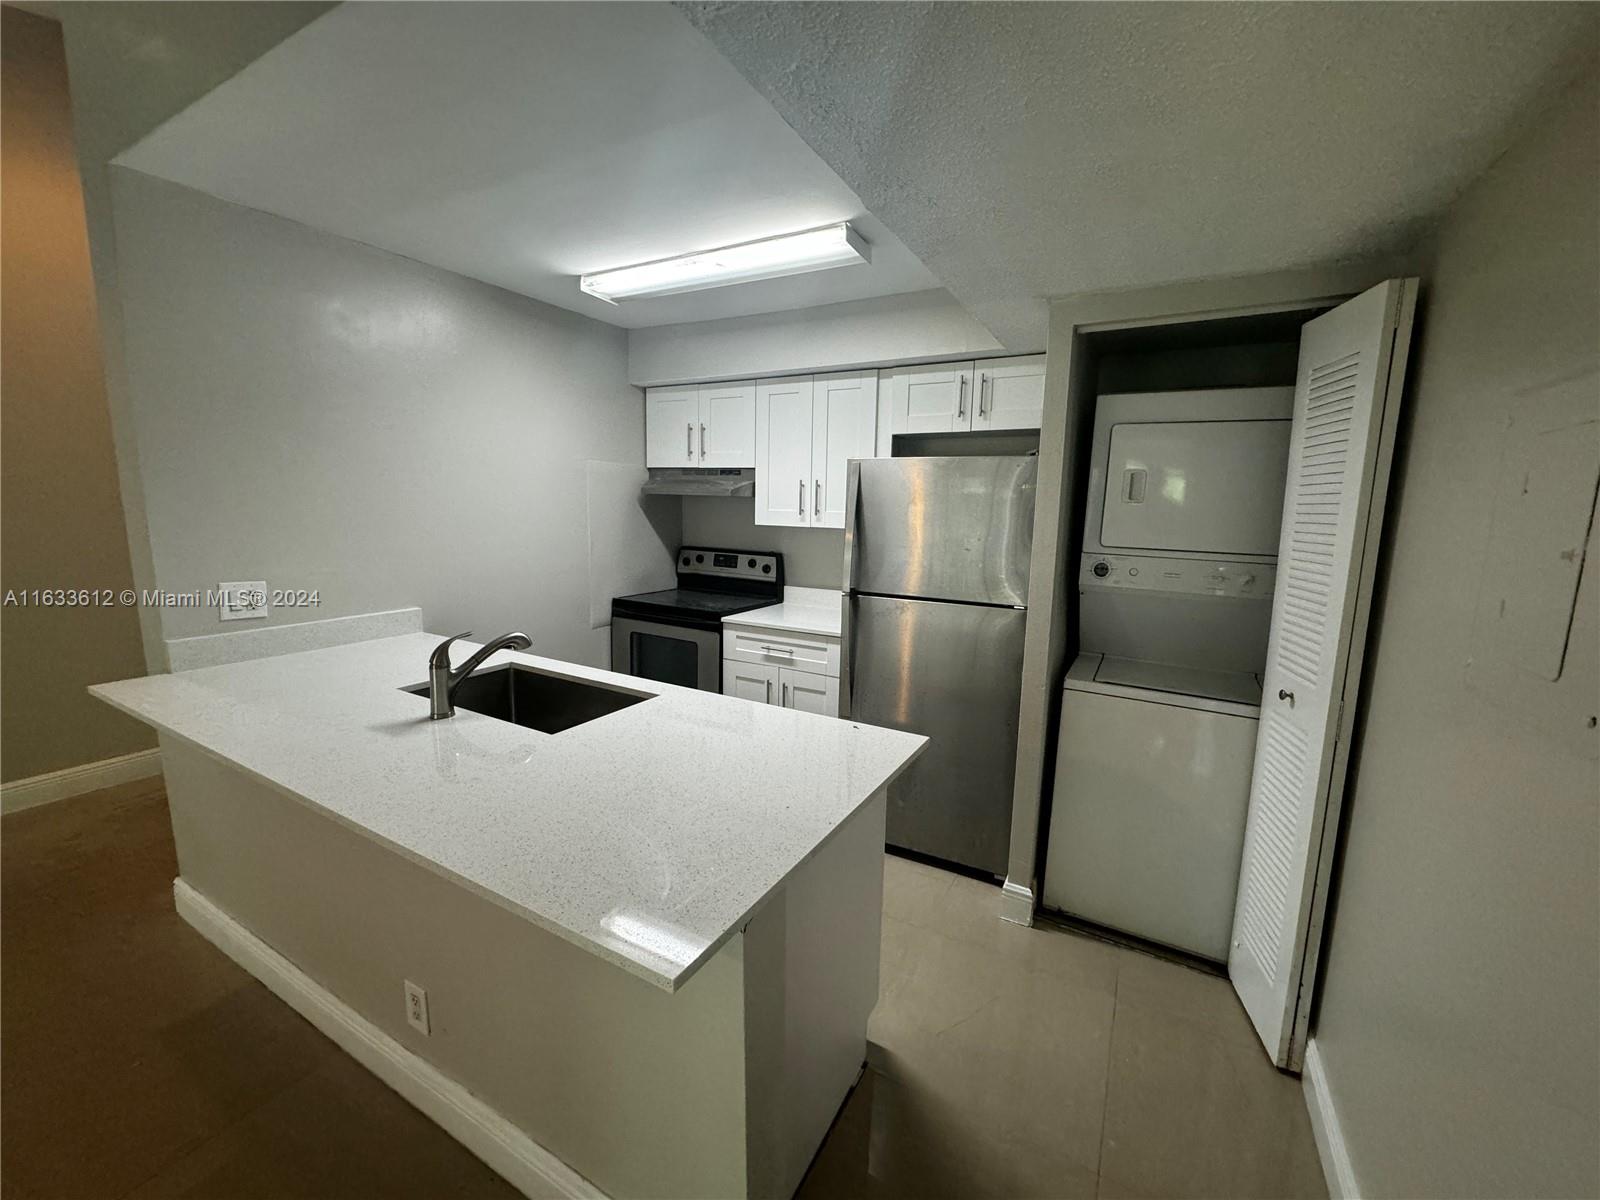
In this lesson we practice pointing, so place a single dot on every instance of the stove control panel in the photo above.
(714, 563)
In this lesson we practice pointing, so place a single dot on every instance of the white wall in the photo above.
(324, 415)
(920, 326)
(131, 66)
(811, 557)
(1459, 1024)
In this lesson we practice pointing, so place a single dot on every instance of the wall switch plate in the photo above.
(417, 1008)
(246, 601)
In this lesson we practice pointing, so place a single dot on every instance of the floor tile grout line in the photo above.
(1105, 1091)
(200, 1143)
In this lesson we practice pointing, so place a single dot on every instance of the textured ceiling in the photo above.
(1024, 151)
(524, 144)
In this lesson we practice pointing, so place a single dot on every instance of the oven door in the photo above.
(668, 653)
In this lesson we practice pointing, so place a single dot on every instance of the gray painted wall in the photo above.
(811, 557)
(62, 513)
(1459, 1023)
(323, 415)
(919, 326)
(117, 98)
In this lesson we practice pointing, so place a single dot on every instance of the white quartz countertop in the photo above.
(804, 610)
(647, 836)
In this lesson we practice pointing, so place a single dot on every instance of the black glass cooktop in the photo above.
(688, 603)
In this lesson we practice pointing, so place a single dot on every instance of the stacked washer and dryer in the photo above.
(1159, 716)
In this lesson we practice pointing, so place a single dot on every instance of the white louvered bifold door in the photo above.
(1346, 398)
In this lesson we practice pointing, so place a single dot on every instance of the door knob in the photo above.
(1283, 695)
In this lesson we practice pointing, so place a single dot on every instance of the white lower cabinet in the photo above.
(750, 681)
(768, 683)
(807, 692)
(798, 671)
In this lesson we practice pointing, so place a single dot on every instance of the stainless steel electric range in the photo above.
(675, 636)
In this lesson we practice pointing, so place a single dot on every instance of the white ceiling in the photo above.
(524, 144)
(1033, 150)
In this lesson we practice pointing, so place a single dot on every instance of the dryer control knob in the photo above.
(1101, 569)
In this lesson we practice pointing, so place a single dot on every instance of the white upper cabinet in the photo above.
(936, 398)
(713, 425)
(844, 425)
(996, 393)
(800, 432)
(807, 430)
(671, 420)
(1010, 393)
(783, 451)
(728, 425)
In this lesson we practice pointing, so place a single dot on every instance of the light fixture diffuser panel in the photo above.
(769, 258)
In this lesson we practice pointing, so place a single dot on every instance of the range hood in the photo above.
(686, 481)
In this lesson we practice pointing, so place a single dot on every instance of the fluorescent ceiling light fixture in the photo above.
(769, 258)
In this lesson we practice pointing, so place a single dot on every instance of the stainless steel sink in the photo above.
(533, 699)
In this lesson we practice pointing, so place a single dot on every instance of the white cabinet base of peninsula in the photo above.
(562, 1072)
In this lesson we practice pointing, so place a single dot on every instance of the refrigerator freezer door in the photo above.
(941, 528)
(952, 672)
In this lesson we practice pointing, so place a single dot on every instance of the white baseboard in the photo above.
(1336, 1166)
(511, 1153)
(1016, 903)
(75, 781)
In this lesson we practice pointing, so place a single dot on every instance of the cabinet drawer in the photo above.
(803, 652)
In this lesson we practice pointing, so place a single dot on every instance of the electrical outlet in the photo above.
(246, 601)
(417, 1008)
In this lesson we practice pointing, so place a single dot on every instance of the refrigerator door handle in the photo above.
(846, 640)
(852, 512)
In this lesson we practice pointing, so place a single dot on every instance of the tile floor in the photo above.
(1004, 1062)
(1011, 1062)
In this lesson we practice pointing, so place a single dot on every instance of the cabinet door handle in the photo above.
(785, 701)
(983, 404)
(702, 441)
(801, 511)
(777, 649)
(769, 691)
(689, 440)
(961, 399)
(816, 496)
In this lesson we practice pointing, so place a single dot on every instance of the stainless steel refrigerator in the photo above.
(936, 593)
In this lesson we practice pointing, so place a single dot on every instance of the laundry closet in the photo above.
(1231, 480)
